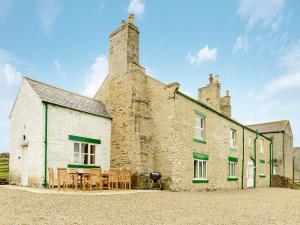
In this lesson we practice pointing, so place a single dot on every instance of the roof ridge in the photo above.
(277, 121)
(50, 85)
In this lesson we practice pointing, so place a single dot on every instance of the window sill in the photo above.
(262, 175)
(200, 140)
(199, 181)
(82, 166)
(232, 149)
(232, 178)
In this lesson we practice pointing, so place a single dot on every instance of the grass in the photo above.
(4, 168)
(294, 186)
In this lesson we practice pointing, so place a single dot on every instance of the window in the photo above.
(262, 168)
(232, 138)
(200, 169)
(199, 131)
(261, 146)
(232, 169)
(84, 153)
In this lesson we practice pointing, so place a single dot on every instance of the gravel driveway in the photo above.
(260, 206)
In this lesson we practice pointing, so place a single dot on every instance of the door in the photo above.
(24, 167)
(250, 173)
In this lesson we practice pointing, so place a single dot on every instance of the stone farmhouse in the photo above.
(137, 122)
(193, 143)
(51, 127)
(282, 134)
(296, 164)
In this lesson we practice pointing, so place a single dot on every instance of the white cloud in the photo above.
(5, 6)
(137, 7)
(241, 44)
(260, 11)
(9, 76)
(58, 68)
(48, 10)
(95, 76)
(203, 55)
(291, 58)
(289, 81)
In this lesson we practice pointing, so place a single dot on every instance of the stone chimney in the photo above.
(210, 94)
(123, 47)
(226, 104)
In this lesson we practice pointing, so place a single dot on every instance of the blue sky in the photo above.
(253, 45)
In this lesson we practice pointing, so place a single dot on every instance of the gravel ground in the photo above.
(260, 206)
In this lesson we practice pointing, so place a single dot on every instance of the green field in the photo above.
(4, 168)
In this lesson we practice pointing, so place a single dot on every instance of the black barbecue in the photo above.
(155, 178)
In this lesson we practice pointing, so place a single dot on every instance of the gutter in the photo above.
(293, 169)
(220, 114)
(46, 144)
(271, 162)
(283, 155)
(243, 163)
(255, 159)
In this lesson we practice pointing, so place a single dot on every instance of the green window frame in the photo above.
(200, 134)
(200, 168)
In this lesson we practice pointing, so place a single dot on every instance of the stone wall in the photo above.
(217, 146)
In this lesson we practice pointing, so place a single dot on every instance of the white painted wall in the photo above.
(27, 118)
(63, 122)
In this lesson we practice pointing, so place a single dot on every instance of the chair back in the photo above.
(72, 170)
(62, 173)
(50, 172)
(96, 172)
(113, 175)
(87, 171)
(127, 175)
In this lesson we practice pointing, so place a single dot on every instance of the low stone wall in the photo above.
(280, 181)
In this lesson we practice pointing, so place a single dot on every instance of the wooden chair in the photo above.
(62, 178)
(86, 179)
(50, 178)
(121, 179)
(113, 176)
(73, 178)
(96, 178)
(127, 179)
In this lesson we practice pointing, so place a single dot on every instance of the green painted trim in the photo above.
(232, 178)
(200, 181)
(199, 141)
(84, 139)
(197, 155)
(283, 153)
(272, 157)
(200, 113)
(255, 139)
(293, 169)
(46, 145)
(262, 161)
(82, 166)
(243, 160)
(51, 103)
(232, 159)
(262, 175)
(218, 113)
(232, 149)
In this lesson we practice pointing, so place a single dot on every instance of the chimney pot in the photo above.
(211, 78)
(131, 18)
(123, 22)
(227, 93)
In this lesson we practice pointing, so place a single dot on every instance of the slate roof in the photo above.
(270, 127)
(58, 96)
